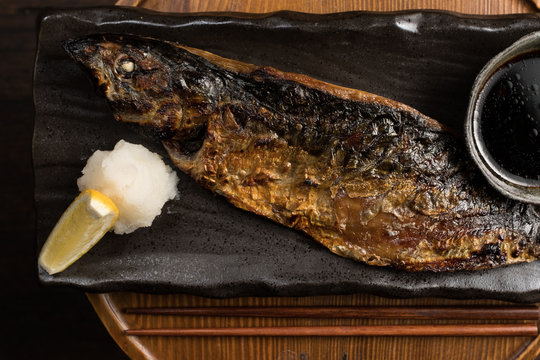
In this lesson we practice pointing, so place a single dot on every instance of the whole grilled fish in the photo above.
(368, 177)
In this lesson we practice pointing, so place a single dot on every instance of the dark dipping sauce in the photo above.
(509, 116)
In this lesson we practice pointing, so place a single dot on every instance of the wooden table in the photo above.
(110, 306)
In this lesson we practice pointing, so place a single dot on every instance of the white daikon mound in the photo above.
(136, 179)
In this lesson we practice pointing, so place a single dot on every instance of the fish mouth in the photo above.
(92, 51)
(81, 50)
(85, 52)
(97, 59)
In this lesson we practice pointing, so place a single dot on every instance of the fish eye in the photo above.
(125, 67)
(128, 66)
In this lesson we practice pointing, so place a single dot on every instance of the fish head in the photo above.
(135, 78)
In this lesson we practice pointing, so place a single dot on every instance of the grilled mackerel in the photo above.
(368, 177)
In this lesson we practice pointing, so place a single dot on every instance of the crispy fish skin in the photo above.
(368, 177)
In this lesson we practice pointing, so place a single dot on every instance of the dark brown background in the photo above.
(37, 322)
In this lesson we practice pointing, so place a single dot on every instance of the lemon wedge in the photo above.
(81, 226)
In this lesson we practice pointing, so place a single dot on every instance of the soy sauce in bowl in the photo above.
(503, 120)
(509, 116)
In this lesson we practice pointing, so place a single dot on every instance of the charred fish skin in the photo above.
(368, 177)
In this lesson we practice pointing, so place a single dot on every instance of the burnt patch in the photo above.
(264, 141)
(168, 108)
(489, 256)
(310, 182)
(490, 252)
(354, 141)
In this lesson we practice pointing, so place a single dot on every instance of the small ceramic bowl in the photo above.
(511, 185)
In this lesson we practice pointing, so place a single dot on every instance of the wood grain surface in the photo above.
(261, 6)
(110, 307)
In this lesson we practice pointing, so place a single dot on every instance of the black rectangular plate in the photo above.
(203, 245)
